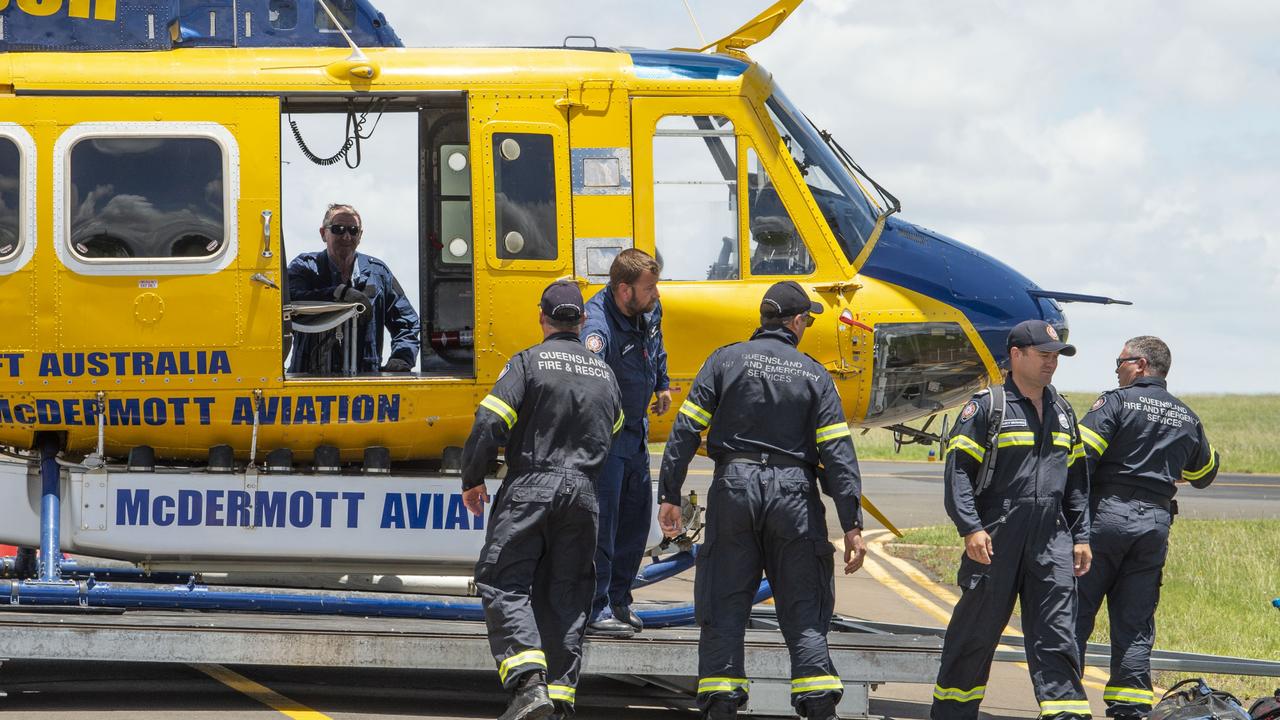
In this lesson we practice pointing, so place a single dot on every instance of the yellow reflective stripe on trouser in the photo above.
(722, 684)
(504, 411)
(618, 425)
(1140, 696)
(695, 413)
(1197, 474)
(1093, 439)
(563, 693)
(528, 657)
(959, 695)
(1075, 707)
(817, 682)
(1007, 439)
(967, 444)
(831, 432)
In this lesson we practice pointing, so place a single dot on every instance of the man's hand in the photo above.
(475, 498)
(397, 365)
(1083, 558)
(855, 551)
(346, 294)
(669, 519)
(977, 546)
(661, 403)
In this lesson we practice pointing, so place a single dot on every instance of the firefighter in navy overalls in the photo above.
(1139, 441)
(624, 328)
(1026, 532)
(556, 409)
(777, 432)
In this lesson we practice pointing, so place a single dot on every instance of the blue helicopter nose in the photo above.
(992, 295)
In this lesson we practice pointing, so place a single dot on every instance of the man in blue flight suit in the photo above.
(1139, 441)
(777, 433)
(555, 408)
(340, 274)
(1026, 532)
(624, 328)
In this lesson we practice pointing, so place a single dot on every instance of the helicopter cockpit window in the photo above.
(695, 198)
(146, 197)
(10, 182)
(844, 206)
(524, 181)
(776, 246)
(344, 10)
(283, 14)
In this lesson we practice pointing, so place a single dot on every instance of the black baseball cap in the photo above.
(787, 299)
(1040, 335)
(562, 300)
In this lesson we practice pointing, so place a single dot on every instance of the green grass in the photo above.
(1241, 427)
(1218, 585)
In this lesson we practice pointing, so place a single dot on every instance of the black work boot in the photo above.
(628, 616)
(609, 626)
(823, 708)
(721, 709)
(530, 701)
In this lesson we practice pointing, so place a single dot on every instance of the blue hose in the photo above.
(1276, 602)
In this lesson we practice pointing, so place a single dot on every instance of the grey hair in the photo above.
(1154, 351)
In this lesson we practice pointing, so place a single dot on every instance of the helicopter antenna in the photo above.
(701, 38)
(356, 52)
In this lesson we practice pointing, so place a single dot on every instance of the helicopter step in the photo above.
(666, 658)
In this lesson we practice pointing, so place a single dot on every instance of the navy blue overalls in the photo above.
(1034, 509)
(633, 349)
(1139, 441)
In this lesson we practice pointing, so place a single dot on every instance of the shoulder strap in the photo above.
(1065, 408)
(995, 418)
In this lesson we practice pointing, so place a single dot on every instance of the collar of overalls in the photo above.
(634, 324)
(332, 272)
(1012, 390)
(1152, 381)
(566, 335)
(782, 334)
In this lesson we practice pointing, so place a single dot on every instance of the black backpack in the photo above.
(1192, 699)
(995, 418)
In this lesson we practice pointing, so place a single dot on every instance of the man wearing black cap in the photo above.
(1016, 488)
(1139, 442)
(774, 416)
(555, 408)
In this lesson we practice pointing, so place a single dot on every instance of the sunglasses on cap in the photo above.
(352, 230)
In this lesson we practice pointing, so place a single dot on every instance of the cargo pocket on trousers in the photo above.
(971, 574)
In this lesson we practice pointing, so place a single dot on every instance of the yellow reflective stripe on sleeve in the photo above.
(831, 432)
(967, 444)
(528, 657)
(503, 410)
(1062, 440)
(1077, 453)
(563, 693)
(959, 695)
(695, 413)
(722, 684)
(1125, 694)
(618, 425)
(1075, 707)
(1092, 439)
(1197, 474)
(817, 682)
(1008, 439)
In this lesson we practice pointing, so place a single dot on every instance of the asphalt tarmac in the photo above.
(888, 589)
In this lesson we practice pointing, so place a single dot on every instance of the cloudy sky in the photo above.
(1125, 149)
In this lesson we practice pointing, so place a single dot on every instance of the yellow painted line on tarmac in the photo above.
(261, 693)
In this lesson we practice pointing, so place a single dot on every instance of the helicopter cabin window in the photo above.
(283, 14)
(776, 246)
(695, 198)
(146, 197)
(10, 200)
(524, 181)
(344, 10)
